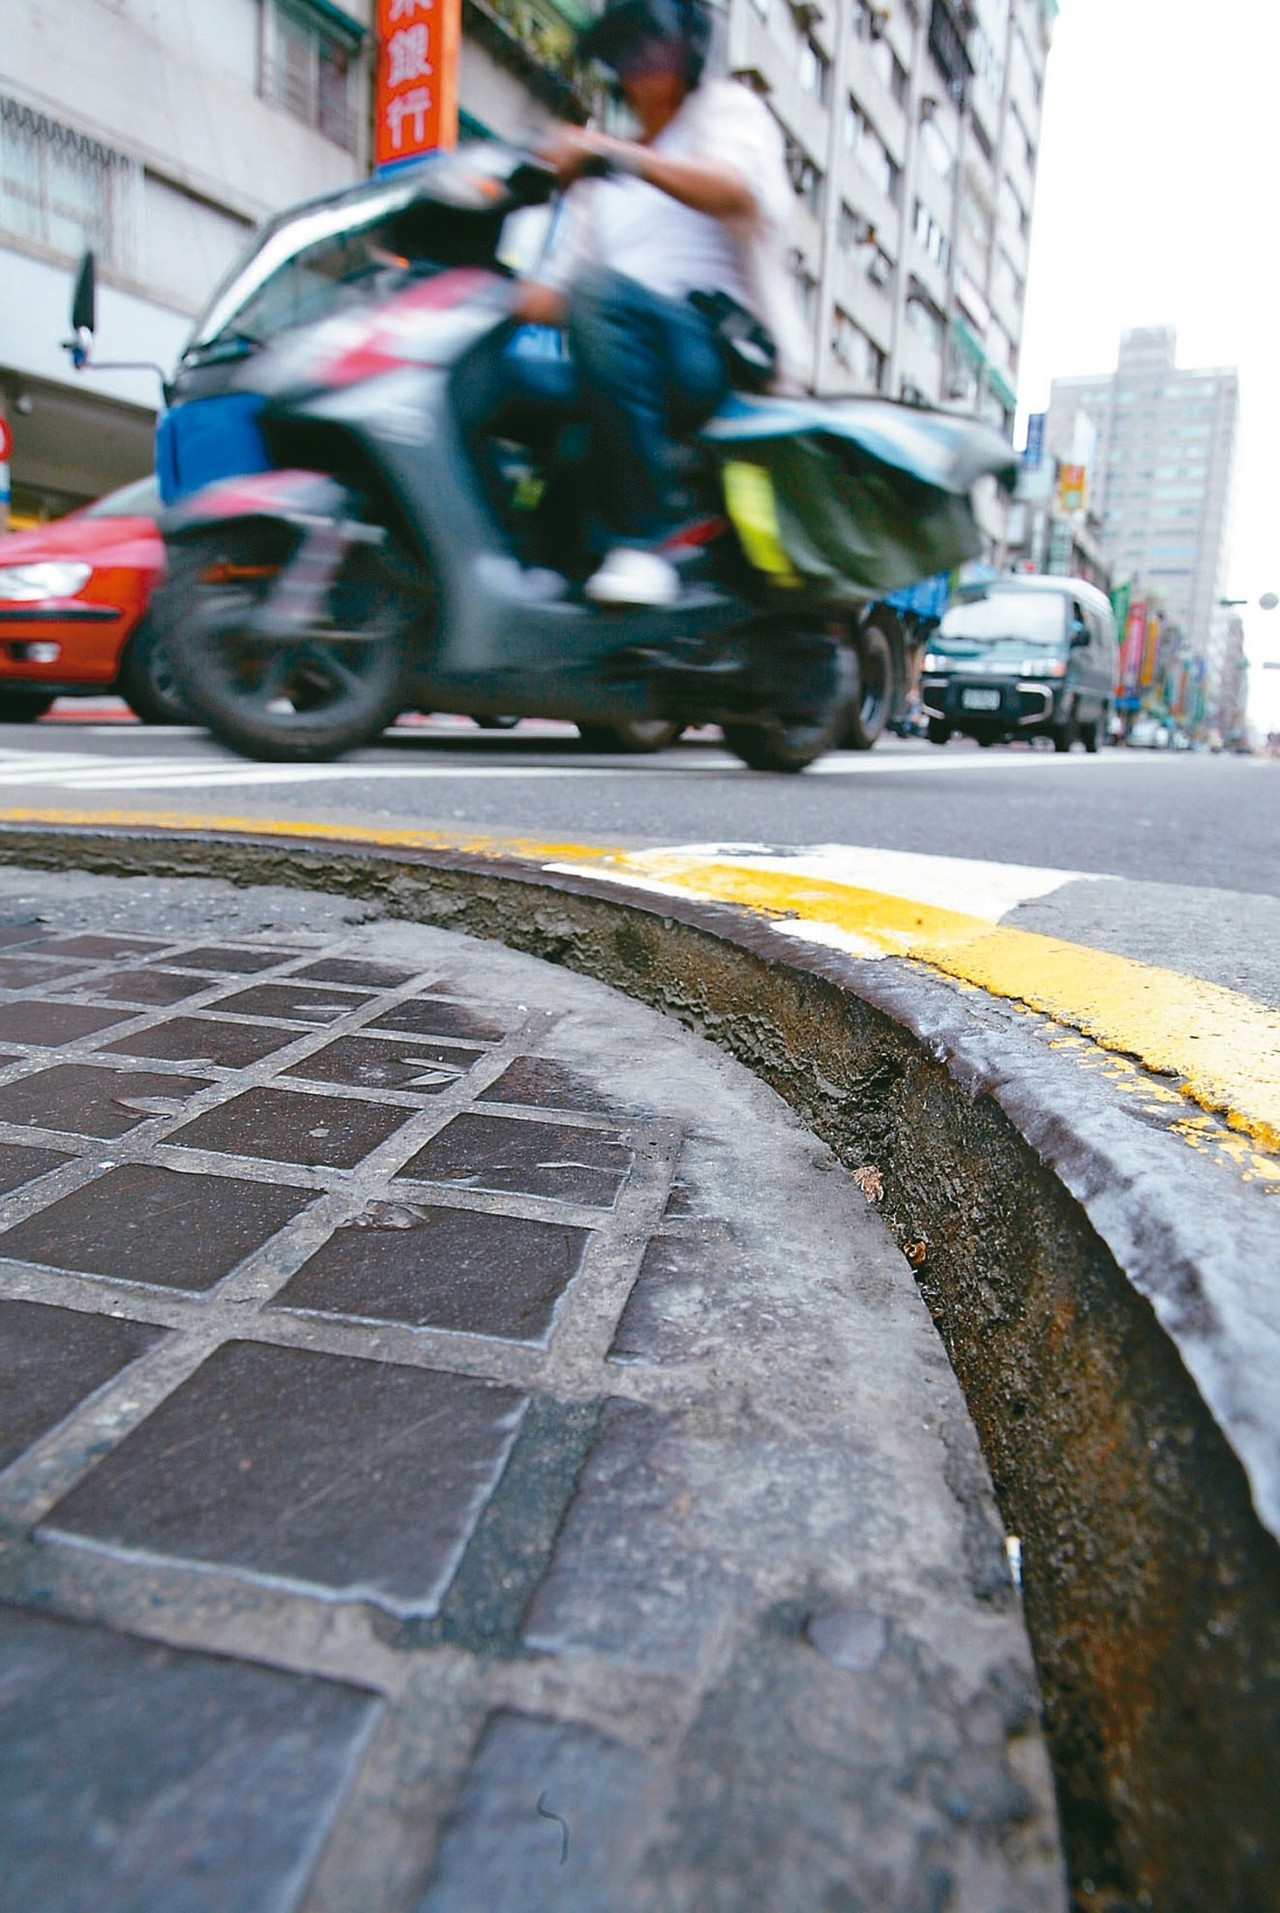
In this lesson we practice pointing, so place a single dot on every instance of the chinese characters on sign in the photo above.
(416, 103)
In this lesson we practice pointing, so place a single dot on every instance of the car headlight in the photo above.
(932, 662)
(27, 584)
(1044, 667)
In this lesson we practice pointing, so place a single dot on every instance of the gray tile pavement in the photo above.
(464, 1446)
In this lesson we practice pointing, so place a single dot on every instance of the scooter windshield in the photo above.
(352, 250)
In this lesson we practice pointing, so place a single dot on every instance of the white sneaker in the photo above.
(628, 576)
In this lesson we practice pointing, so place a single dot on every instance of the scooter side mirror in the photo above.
(84, 312)
(84, 300)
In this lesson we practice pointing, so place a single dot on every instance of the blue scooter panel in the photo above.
(202, 440)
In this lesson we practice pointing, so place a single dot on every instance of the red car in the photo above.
(73, 603)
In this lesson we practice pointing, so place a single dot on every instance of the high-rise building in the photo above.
(1163, 449)
(912, 130)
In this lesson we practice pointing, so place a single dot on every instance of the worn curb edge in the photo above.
(1133, 1500)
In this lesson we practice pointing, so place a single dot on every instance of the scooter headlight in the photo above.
(30, 584)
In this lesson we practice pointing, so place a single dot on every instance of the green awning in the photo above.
(974, 350)
(332, 16)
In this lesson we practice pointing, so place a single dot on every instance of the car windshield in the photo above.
(1028, 617)
(139, 500)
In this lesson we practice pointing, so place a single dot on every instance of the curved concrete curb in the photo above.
(1105, 1303)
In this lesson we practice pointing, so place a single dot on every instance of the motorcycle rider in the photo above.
(697, 205)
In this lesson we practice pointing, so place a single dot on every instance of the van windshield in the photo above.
(1028, 617)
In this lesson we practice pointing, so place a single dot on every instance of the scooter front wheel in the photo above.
(305, 695)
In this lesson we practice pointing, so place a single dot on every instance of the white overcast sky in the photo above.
(1158, 203)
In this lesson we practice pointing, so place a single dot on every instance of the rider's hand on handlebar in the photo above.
(574, 151)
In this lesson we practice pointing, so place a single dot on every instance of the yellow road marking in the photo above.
(1222, 1049)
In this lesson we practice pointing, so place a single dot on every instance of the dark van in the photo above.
(1022, 657)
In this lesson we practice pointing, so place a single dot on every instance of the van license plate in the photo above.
(980, 700)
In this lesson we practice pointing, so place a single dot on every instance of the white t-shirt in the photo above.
(633, 228)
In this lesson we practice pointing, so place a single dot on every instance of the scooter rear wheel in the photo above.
(821, 682)
(312, 694)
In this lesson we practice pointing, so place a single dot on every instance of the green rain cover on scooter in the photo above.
(849, 499)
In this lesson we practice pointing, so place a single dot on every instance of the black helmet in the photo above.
(624, 24)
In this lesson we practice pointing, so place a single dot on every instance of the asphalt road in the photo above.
(1186, 819)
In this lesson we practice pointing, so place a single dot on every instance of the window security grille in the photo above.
(63, 190)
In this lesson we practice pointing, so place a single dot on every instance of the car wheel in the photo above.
(634, 737)
(937, 732)
(147, 682)
(24, 707)
(310, 694)
(873, 700)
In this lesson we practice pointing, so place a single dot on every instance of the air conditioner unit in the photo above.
(752, 76)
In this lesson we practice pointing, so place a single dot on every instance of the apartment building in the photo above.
(1160, 477)
(912, 130)
(161, 133)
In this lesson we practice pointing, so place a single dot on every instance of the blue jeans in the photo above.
(651, 372)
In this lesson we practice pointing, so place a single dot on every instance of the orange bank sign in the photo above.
(416, 101)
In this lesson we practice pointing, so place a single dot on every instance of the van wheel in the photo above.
(937, 732)
(1089, 736)
(1064, 734)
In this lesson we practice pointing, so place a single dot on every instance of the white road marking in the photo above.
(971, 886)
(68, 770)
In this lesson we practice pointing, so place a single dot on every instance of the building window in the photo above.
(870, 151)
(857, 352)
(930, 236)
(947, 45)
(936, 148)
(924, 318)
(65, 191)
(852, 229)
(806, 285)
(1012, 213)
(805, 178)
(311, 71)
(815, 72)
(885, 63)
